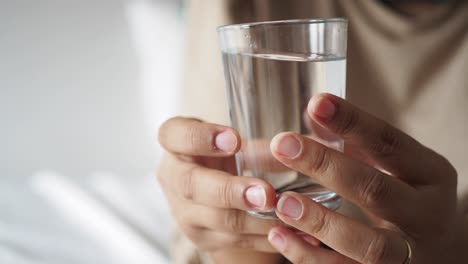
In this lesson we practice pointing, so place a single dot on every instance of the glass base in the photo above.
(327, 198)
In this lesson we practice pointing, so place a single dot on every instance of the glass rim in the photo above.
(281, 22)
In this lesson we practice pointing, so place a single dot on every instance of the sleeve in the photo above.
(462, 184)
(463, 205)
(202, 91)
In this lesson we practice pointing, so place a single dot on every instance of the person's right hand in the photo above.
(206, 200)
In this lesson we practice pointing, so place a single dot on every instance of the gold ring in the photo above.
(409, 257)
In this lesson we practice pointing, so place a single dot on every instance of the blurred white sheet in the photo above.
(51, 219)
(83, 87)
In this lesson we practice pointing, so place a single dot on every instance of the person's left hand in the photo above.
(406, 188)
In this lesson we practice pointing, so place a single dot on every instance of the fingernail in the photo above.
(289, 206)
(323, 108)
(226, 141)
(277, 240)
(288, 145)
(256, 196)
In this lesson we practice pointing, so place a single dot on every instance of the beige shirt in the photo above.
(411, 73)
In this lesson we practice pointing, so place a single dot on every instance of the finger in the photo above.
(219, 189)
(255, 155)
(382, 195)
(308, 238)
(299, 251)
(321, 134)
(213, 240)
(192, 137)
(391, 149)
(226, 220)
(345, 235)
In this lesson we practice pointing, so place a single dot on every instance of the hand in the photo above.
(206, 200)
(407, 189)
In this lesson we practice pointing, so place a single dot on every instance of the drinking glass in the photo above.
(272, 69)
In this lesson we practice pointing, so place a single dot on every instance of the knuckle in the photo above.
(192, 139)
(321, 161)
(375, 191)
(188, 183)
(191, 231)
(195, 140)
(243, 242)
(234, 221)
(319, 225)
(386, 143)
(378, 250)
(201, 238)
(226, 193)
(348, 123)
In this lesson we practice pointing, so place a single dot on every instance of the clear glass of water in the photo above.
(272, 69)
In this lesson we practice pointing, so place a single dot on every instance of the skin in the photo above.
(207, 202)
(408, 190)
